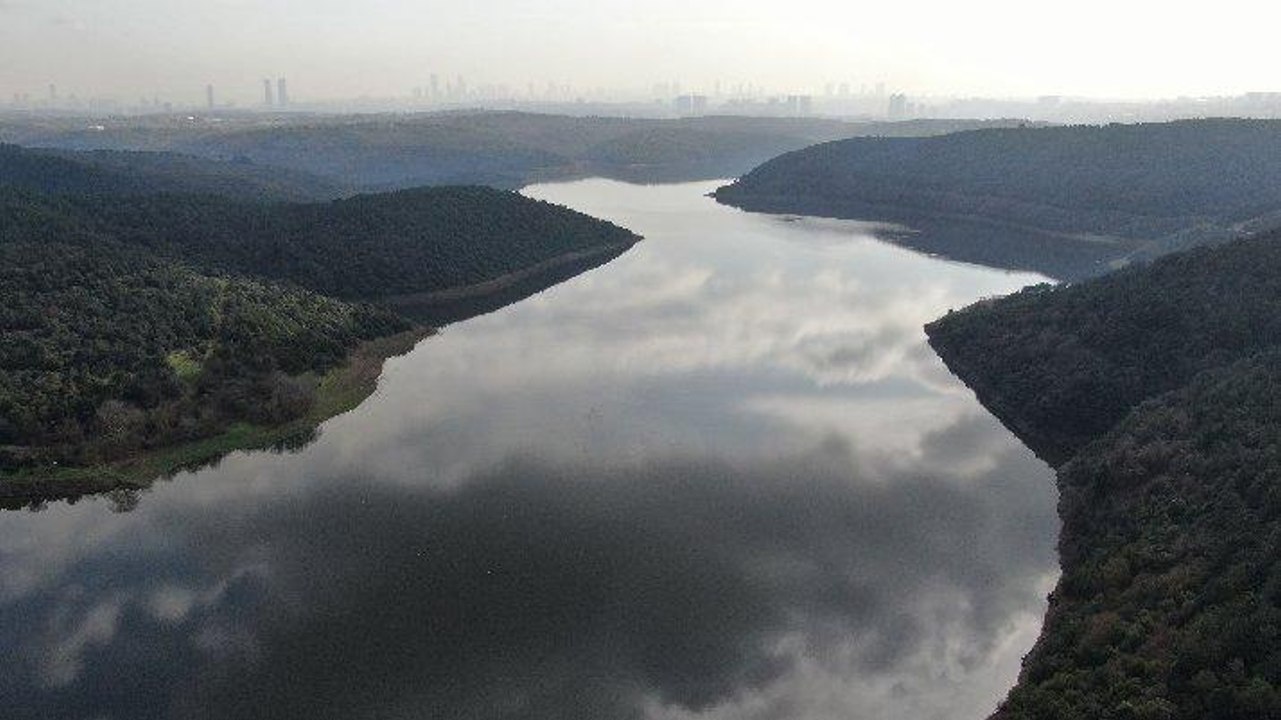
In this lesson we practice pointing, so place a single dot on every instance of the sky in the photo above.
(337, 48)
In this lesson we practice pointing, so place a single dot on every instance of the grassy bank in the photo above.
(337, 392)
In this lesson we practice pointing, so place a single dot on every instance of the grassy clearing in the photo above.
(184, 365)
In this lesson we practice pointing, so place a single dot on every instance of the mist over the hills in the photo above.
(328, 49)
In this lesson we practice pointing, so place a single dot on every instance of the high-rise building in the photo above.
(282, 92)
(267, 97)
(53, 93)
(898, 106)
(689, 105)
(209, 96)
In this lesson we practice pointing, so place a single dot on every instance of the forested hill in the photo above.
(107, 172)
(1068, 201)
(502, 149)
(1157, 392)
(109, 351)
(133, 324)
(1065, 364)
(366, 247)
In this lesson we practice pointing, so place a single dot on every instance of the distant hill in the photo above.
(1066, 201)
(502, 149)
(136, 323)
(107, 172)
(1156, 390)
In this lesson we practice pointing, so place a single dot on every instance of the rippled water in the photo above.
(721, 477)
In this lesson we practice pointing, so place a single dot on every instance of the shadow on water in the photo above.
(439, 313)
(722, 478)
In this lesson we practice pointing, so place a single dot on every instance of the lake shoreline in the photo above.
(502, 282)
(339, 391)
(976, 239)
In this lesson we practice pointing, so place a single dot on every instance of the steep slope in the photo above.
(1067, 201)
(1063, 365)
(1156, 392)
(1170, 600)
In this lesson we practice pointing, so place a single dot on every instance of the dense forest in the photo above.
(1084, 199)
(1065, 364)
(136, 322)
(112, 172)
(501, 149)
(1170, 602)
(1155, 390)
(411, 241)
(109, 350)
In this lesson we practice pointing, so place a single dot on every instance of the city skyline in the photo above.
(992, 48)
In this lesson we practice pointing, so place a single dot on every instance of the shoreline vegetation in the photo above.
(1069, 202)
(338, 391)
(1155, 393)
(157, 329)
(444, 307)
(967, 238)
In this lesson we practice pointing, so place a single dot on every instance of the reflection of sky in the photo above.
(720, 477)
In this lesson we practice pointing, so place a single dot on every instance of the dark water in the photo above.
(721, 477)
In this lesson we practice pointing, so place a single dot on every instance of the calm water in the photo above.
(721, 477)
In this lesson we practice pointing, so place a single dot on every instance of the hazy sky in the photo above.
(330, 48)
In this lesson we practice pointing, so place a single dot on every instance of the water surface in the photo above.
(721, 477)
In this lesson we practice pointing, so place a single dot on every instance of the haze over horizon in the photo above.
(331, 49)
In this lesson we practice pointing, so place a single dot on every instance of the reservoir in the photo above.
(723, 476)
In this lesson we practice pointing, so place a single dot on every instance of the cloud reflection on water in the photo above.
(721, 477)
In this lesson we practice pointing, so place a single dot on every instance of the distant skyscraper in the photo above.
(689, 105)
(266, 93)
(282, 92)
(53, 93)
(209, 96)
(435, 86)
(898, 106)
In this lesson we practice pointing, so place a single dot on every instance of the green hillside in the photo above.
(108, 172)
(136, 324)
(412, 241)
(109, 351)
(1157, 392)
(1066, 201)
